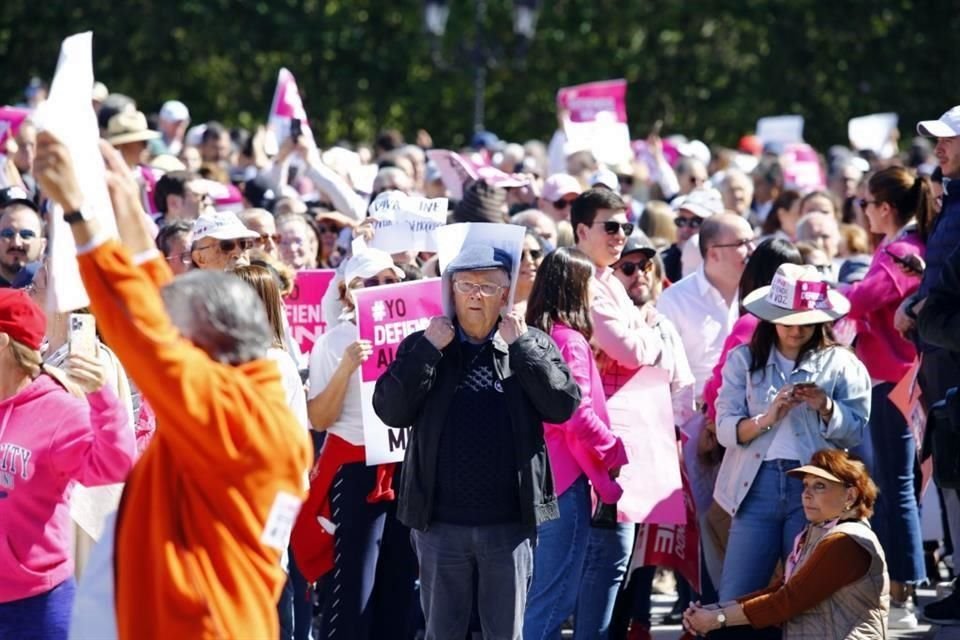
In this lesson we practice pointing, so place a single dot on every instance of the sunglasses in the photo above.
(486, 289)
(226, 246)
(533, 254)
(262, 240)
(25, 234)
(693, 223)
(323, 228)
(629, 268)
(376, 282)
(610, 227)
(561, 204)
(863, 202)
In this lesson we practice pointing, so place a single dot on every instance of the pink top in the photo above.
(619, 328)
(741, 333)
(584, 444)
(48, 439)
(873, 303)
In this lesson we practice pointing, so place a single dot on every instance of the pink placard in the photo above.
(304, 308)
(586, 102)
(641, 413)
(386, 315)
(10, 120)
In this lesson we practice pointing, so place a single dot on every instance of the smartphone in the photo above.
(82, 335)
(296, 128)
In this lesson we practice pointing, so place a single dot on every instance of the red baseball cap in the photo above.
(21, 318)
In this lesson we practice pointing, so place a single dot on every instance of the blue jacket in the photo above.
(944, 239)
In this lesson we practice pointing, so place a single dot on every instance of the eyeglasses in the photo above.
(376, 282)
(182, 258)
(323, 228)
(744, 242)
(227, 246)
(486, 289)
(25, 234)
(610, 227)
(561, 204)
(863, 202)
(262, 240)
(533, 254)
(693, 223)
(630, 267)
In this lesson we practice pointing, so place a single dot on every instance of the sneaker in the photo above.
(902, 616)
(945, 612)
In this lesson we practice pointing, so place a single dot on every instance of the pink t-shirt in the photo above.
(741, 333)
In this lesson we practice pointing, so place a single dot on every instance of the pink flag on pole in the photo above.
(286, 106)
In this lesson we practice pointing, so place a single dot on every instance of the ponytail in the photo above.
(911, 197)
(924, 207)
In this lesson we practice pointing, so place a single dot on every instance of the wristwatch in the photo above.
(73, 217)
(722, 619)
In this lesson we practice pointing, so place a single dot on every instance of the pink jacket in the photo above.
(584, 444)
(873, 303)
(741, 333)
(48, 439)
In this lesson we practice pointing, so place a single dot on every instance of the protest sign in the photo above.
(68, 115)
(875, 132)
(452, 237)
(780, 129)
(801, 167)
(908, 399)
(456, 171)
(406, 223)
(304, 306)
(385, 316)
(10, 120)
(641, 414)
(595, 118)
(286, 106)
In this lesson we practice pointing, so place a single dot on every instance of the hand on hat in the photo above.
(87, 373)
(53, 169)
(512, 326)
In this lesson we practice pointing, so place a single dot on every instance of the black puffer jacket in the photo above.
(417, 389)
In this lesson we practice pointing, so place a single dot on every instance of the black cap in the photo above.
(16, 195)
(638, 242)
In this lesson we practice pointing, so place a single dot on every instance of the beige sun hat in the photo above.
(813, 470)
(798, 295)
(129, 126)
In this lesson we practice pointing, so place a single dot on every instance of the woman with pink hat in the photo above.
(787, 394)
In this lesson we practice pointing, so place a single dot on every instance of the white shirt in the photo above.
(292, 385)
(703, 319)
(785, 445)
(324, 359)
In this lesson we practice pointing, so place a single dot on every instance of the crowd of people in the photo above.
(783, 316)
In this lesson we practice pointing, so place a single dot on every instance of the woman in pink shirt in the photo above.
(50, 436)
(900, 207)
(583, 450)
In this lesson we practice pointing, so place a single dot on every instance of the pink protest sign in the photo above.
(10, 120)
(595, 118)
(802, 168)
(304, 308)
(641, 413)
(286, 106)
(385, 316)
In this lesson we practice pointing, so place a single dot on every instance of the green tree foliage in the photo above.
(707, 68)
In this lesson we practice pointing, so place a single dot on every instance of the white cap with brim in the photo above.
(368, 263)
(798, 295)
(947, 126)
(221, 225)
(811, 470)
(702, 202)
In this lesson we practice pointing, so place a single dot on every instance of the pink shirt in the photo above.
(873, 303)
(584, 444)
(48, 439)
(741, 333)
(619, 329)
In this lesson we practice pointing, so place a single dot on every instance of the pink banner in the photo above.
(456, 171)
(641, 413)
(385, 316)
(304, 308)
(10, 120)
(801, 167)
(595, 101)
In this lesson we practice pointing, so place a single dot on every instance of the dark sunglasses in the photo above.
(611, 227)
(323, 228)
(267, 236)
(561, 204)
(376, 282)
(863, 202)
(693, 223)
(629, 268)
(533, 254)
(25, 234)
(226, 246)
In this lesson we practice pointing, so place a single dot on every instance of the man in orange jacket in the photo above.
(208, 508)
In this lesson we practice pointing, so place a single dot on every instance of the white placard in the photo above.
(406, 223)
(781, 129)
(874, 132)
(68, 114)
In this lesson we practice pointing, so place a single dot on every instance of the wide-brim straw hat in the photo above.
(798, 295)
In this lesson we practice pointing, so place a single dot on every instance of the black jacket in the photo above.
(417, 389)
(939, 320)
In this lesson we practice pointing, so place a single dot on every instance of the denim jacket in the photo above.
(743, 395)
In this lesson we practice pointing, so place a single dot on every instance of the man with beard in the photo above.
(21, 237)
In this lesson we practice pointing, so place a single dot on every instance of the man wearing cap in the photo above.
(173, 122)
(221, 242)
(475, 390)
(129, 133)
(939, 369)
(692, 210)
(704, 305)
(559, 190)
(22, 240)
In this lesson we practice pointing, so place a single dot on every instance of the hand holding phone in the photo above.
(296, 128)
(82, 335)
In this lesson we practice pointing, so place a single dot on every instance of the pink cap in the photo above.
(559, 185)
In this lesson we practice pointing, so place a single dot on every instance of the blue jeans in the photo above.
(45, 616)
(608, 554)
(889, 452)
(763, 530)
(558, 565)
(499, 556)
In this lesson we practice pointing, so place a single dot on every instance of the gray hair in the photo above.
(219, 313)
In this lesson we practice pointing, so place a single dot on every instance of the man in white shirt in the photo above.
(704, 305)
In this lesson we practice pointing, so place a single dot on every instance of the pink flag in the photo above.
(286, 106)
(10, 120)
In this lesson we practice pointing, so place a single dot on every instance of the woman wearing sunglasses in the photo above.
(835, 579)
(583, 451)
(329, 225)
(899, 206)
(789, 393)
(347, 529)
(530, 260)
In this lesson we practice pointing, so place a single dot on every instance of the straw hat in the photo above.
(798, 295)
(129, 126)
